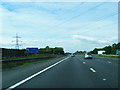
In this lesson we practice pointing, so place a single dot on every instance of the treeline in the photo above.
(108, 49)
(48, 50)
(22, 52)
(13, 52)
(80, 52)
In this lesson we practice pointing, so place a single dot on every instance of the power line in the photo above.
(101, 18)
(99, 28)
(105, 17)
(74, 8)
(80, 14)
(113, 14)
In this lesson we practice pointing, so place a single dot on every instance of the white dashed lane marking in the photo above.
(92, 70)
(83, 62)
(108, 61)
(104, 79)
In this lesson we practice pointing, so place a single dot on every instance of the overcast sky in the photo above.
(71, 25)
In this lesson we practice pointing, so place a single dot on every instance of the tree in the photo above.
(47, 47)
(114, 48)
(48, 50)
(58, 50)
(95, 51)
(108, 49)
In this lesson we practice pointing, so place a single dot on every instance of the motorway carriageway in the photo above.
(65, 72)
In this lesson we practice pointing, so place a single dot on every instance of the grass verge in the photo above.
(30, 56)
(105, 56)
(13, 65)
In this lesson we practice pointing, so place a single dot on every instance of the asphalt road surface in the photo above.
(65, 72)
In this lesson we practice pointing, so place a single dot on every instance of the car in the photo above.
(72, 55)
(88, 56)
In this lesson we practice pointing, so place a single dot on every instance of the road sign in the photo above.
(58, 53)
(118, 51)
(32, 50)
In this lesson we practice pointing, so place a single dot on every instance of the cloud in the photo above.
(90, 39)
(83, 38)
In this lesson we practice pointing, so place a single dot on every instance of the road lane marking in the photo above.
(109, 62)
(104, 79)
(23, 81)
(92, 70)
(83, 62)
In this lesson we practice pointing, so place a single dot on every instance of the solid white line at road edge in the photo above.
(23, 81)
(92, 70)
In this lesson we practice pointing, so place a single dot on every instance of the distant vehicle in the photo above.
(101, 52)
(72, 55)
(88, 56)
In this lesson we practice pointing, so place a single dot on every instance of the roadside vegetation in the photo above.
(107, 56)
(21, 53)
(108, 49)
(13, 54)
(80, 52)
(29, 56)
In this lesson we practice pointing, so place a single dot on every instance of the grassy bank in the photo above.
(29, 56)
(107, 56)
(12, 65)
(79, 54)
